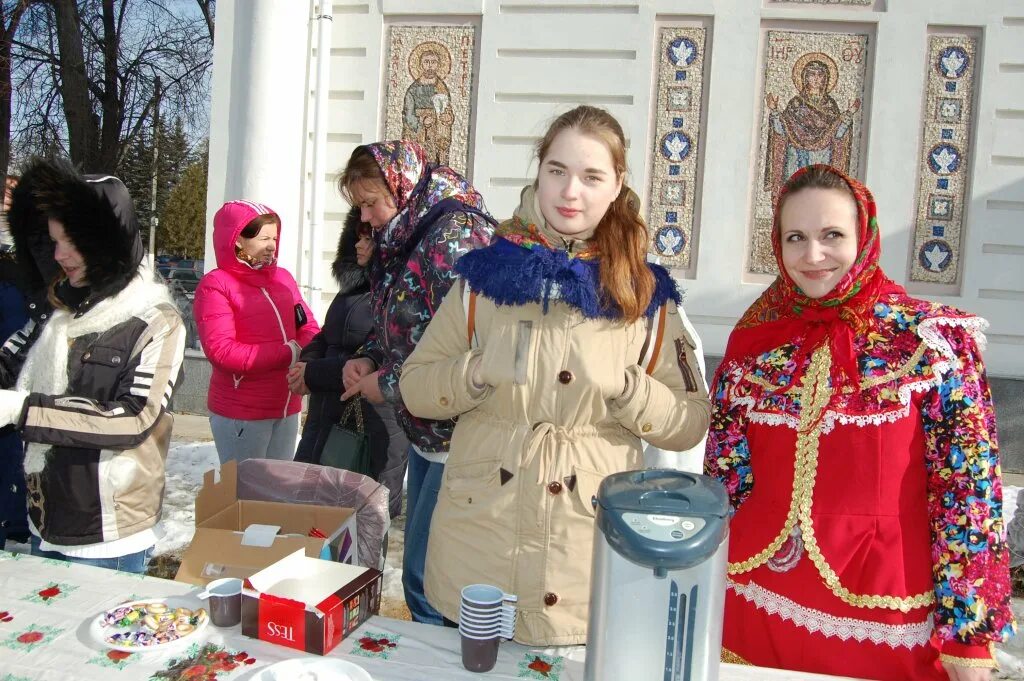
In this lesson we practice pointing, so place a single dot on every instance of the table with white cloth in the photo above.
(46, 607)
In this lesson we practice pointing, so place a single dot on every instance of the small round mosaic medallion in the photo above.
(953, 62)
(670, 241)
(675, 146)
(935, 255)
(681, 51)
(944, 159)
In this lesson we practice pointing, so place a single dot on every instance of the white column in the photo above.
(257, 118)
(318, 187)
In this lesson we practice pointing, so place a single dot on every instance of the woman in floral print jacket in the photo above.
(853, 428)
(424, 218)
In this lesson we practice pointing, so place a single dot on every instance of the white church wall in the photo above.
(535, 59)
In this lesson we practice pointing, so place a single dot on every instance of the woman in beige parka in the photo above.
(559, 352)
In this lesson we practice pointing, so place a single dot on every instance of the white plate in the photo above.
(100, 631)
(314, 669)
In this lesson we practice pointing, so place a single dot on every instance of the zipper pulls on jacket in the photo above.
(277, 313)
(284, 336)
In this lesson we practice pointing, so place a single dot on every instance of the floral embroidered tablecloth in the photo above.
(46, 607)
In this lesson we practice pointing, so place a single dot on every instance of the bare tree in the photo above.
(10, 19)
(207, 7)
(90, 91)
(83, 133)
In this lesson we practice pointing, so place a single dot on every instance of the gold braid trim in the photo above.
(767, 385)
(730, 657)
(815, 397)
(972, 662)
(762, 557)
(803, 483)
(907, 367)
(865, 383)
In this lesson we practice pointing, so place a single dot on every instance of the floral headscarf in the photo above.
(783, 313)
(417, 186)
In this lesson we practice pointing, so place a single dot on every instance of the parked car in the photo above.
(189, 264)
(165, 263)
(185, 279)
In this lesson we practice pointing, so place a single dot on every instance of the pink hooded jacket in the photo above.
(245, 319)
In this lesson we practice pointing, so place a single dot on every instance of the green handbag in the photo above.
(347, 448)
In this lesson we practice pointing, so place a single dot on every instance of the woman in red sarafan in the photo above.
(853, 428)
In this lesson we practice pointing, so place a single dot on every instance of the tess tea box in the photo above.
(309, 604)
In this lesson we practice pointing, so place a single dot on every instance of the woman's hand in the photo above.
(368, 386)
(297, 379)
(629, 383)
(12, 404)
(354, 371)
(296, 350)
(474, 374)
(958, 673)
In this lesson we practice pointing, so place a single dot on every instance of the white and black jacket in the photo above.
(99, 377)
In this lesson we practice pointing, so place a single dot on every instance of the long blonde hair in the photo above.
(621, 236)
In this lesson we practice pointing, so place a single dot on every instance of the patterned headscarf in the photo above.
(417, 186)
(783, 313)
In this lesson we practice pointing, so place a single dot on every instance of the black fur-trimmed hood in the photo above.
(347, 272)
(98, 216)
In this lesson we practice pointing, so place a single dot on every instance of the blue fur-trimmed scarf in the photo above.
(514, 275)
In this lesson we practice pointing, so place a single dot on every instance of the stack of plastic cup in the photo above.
(486, 616)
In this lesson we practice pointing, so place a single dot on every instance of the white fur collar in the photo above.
(46, 367)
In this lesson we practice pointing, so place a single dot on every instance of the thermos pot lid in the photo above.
(663, 491)
(697, 503)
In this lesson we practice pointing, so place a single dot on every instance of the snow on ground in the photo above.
(1010, 655)
(186, 464)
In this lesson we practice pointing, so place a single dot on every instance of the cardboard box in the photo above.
(309, 604)
(237, 538)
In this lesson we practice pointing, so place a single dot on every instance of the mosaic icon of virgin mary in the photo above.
(427, 113)
(811, 129)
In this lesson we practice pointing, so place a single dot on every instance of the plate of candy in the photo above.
(153, 624)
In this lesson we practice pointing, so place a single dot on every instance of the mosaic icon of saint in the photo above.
(427, 112)
(811, 129)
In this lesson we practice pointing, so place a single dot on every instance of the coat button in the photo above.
(4, 523)
(550, 598)
(647, 428)
(555, 487)
(115, 359)
(565, 377)
(443, 401)
(14, 488)
(31, 306)
(42, 316)
(87, 355)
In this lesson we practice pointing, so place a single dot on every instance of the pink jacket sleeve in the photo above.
(216, 323)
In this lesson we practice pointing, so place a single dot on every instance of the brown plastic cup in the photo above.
(479, 655)
(225, 601)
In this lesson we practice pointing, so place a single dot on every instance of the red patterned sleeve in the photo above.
(970, 557)
(727, 457)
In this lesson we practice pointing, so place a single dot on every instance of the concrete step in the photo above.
(191, 428)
